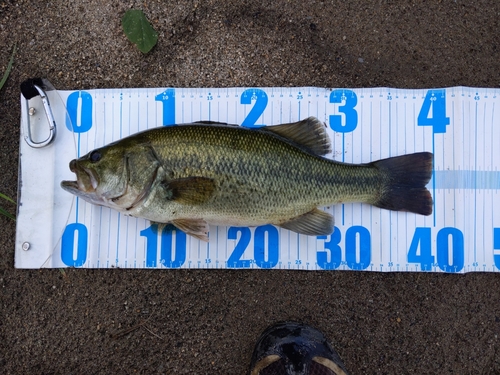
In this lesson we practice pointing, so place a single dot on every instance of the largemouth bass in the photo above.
(192, 175)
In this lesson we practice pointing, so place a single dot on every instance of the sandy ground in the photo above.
(206, 322)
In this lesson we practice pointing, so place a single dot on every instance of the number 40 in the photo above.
(422, 241)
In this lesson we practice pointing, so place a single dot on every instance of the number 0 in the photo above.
(68, 244)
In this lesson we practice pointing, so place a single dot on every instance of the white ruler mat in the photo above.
(460, 125)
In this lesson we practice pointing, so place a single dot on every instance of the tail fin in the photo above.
(405, 179)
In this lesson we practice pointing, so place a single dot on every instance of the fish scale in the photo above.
(256, 184)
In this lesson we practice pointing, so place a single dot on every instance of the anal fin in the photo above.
(312, 223)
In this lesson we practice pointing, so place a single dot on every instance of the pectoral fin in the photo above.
(194, 227)
(190, 190)
(313, 223)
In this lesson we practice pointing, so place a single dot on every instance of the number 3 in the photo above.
(349, 98)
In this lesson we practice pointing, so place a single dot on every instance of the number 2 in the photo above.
(258, 108)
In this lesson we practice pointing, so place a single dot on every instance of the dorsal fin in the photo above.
(309, 133)
(207, 122)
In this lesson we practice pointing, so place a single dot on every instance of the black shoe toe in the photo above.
(292, 348)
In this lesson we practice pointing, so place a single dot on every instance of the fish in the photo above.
(206, 173)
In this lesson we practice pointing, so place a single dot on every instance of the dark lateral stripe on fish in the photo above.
(405, 178)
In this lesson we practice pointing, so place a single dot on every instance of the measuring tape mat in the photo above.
(459, 125)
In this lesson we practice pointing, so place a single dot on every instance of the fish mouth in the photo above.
(86, 180)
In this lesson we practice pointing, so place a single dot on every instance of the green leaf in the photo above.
(9, 68)
(6, 198)
(2, 82)
(6, 213)
(138, 30)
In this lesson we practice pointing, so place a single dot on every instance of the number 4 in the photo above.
(421, 240)
(438, 120)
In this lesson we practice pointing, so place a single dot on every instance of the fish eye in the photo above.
(95, 156)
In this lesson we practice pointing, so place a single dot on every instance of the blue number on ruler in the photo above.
(351, 246)
(421, 239)
(68, 245)
(167, 98)
(496, 246)
(272, 246)
(234, 260)
(333, 248)
(167, 257)
(84, 100)
(351, 115)
(438, 120)
(457, 248)
(258, 108)
(151, 234)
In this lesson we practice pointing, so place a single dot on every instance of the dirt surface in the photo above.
(206, 322)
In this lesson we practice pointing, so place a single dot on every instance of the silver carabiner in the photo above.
(30, 89)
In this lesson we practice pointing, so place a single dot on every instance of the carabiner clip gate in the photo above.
(29, 89)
